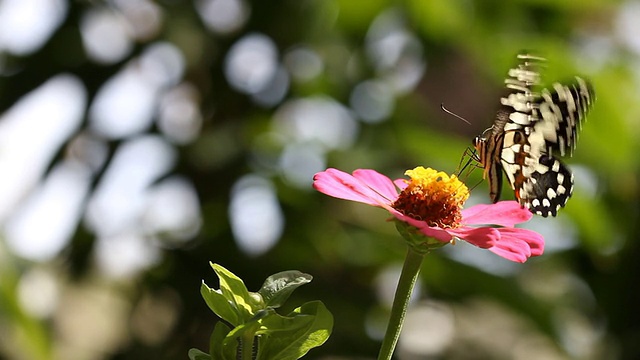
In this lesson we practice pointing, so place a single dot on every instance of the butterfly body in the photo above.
(531, 129)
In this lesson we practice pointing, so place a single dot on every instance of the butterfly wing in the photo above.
(494, 154)
(547, 183)
(530, 129)
(548, 188)
(562, 111)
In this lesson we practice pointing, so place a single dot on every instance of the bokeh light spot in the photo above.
(251, 63)
(25, 25)
(223, 16)
(104, 35)
(372, 100)
(256, 218)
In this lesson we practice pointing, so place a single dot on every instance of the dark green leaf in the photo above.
(278, 287)
(216, 341)
(291, 337)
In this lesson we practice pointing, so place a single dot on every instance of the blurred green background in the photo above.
(140, 140)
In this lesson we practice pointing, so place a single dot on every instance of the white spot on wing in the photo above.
(508, 156)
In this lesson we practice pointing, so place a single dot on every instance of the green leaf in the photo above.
(195, 354)
(278, 287)
(234, 290)
(220, 305)
(280, 337)
(291, 337)
(217, 350)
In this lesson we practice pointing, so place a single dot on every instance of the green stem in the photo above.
(408, 277)
(247, 346)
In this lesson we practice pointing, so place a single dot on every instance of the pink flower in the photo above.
(432, 201)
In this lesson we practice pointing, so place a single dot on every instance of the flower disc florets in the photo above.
(433, 196)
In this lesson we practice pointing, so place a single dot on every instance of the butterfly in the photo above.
(532, 128)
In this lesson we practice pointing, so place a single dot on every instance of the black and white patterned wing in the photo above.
(532, 129)
(558, 114)
(548, 188)
(500, 147)
(562, 111)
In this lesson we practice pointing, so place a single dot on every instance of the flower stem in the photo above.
(246, 347)
(408, 277)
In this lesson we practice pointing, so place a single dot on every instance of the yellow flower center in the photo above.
(433, 196)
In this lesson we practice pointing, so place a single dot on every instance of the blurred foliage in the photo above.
(577, 301)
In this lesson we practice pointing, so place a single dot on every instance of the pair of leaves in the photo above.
(256, 323)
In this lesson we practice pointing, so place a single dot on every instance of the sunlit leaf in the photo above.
(220, 305)
(234, 290)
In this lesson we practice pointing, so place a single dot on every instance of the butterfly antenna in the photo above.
(453, 114)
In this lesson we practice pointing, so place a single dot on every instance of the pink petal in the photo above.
(378, 182)
(509, 255)
(518, 244)
(505, 213)
(341, 185)
(401, 183)
(483, 237)
(534, 241)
